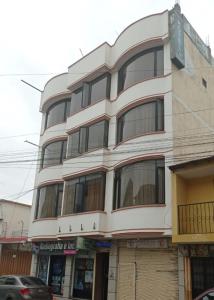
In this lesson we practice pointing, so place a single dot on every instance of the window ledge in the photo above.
(44, 219)
(138, 206)
(140, 135)
(84, 213)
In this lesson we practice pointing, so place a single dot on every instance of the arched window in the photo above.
(142, 119)
(57, 113)
(49, 201)
(54, 153)
(140, 183)
(144, 65)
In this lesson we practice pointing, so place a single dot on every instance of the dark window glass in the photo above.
(31, 281)
(2, 280)
(11, 281)
(146, 65)
(86, 93)
(91, 92)
(76, 101)
(73, 145)
(83, 278)
(159, 69)
(96, 135)
(57, 113)
(42, 270)
(83, 140)
(57, 273)
(88, 138)
(54, 154)
(84, 194)
(140, 120)
(49, 201)
(100, 89)
(140, 183)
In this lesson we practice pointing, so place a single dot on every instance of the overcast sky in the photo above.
(44, 37)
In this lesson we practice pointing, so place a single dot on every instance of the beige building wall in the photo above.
(14, 219)
(193, 106)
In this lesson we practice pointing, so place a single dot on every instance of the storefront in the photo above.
(199, 268)
(76, 268)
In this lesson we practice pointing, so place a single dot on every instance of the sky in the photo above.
(41, 38)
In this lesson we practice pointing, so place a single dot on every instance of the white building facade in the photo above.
(101, 218)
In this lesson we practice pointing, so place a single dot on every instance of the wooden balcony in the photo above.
(196, 218)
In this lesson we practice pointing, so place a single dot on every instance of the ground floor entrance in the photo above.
(202, 273)
(73, 270)
(147, 273)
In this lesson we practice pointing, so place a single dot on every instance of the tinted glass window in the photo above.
(159, 63)
(73, 145)
(49, 201)
(99, 89)
(2, 280)
(76, 101)
(88, 138)
(83, 286)
(84, 194)
(69, 196)
(10, 281)
(57, 113)
(68, 109)
(140, 120)
(96, 135)
(140, 183)
(90, 92)
(140, 69)
(83, 140)
(54, 153)
(31, 281)
(147, 64)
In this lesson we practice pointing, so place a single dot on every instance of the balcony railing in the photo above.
(196, 218)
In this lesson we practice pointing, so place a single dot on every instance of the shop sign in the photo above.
(176, 28)
(103, 244)
(70, 252)
(53, 247)
(85, 244)
(148, 244)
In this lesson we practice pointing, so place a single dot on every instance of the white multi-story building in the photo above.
(101, 218)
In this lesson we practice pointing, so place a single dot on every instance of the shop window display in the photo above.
(83, 278)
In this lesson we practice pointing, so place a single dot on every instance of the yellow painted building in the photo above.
(193, 222)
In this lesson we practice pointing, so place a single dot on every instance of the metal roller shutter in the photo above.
(147, 274)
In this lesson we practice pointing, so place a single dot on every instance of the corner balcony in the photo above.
(193, 201)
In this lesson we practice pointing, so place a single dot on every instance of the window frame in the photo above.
(65, 115)
(61, 158)
(120, 84)
(85, 144)
(121, 121)
(56, 200)
(86, 91)
(159, 164)
(82, 181)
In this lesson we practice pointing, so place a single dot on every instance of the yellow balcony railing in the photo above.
(196, 218)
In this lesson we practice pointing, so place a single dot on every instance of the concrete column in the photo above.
(181, 283)
(112, 275)
(34, 264)
(67, 279)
